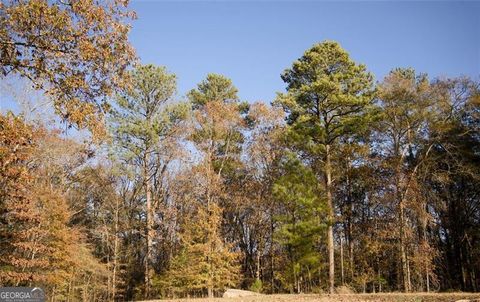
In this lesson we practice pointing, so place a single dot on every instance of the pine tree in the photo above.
(300, 225)
(144, 118)
(328, 96)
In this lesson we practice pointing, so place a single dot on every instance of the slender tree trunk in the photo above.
(149, 229)
(409, 281)
(272, 260)
(341, 260)
(427, 266)
(401, 222)
(379, 282)
(473, 279)
(350, 251)
(295, 283)
(211, 235)
(349, 228)
(328, 185)
(428, 277)
(115, 252)
(403, 252)
(462, 268)
(257, 270)
(310, 285)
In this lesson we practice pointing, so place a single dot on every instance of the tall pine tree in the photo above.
(327, 99)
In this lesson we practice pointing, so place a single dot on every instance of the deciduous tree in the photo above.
(75, 51)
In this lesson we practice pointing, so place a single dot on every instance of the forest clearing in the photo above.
(171, 149)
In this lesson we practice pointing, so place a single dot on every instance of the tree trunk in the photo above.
(341, 260)
(350, 245)
(257, 270)
(149, 229)
(115, 252)
(403, 254)
(210, 235)
(328, 185)
(401, 222)
(295, 282)
(409, 281)
(379, 282)
(428, 277)
(349, 234)
(272, 260)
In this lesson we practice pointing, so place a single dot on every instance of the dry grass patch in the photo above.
(391, 297)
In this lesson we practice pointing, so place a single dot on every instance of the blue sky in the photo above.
(252, 42)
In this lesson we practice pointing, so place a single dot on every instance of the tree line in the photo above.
(340, 183)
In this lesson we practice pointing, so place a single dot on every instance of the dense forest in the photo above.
(342, 181)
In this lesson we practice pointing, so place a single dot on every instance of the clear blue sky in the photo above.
(252, 42)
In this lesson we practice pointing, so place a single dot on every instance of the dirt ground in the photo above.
(391, 297)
